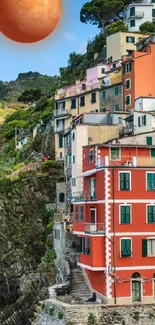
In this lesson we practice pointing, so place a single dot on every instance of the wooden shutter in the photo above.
(76, 213)
(82, 213)
(127, 181)
(144, 247)
(122, 181)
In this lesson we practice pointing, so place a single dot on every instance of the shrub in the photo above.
(51, 311)
(60, 315)
(91, 319)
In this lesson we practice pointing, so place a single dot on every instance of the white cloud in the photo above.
(70, 37)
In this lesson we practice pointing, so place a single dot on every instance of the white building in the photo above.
(145, 104)
(138, 13)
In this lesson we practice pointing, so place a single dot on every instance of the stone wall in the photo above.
(104, 315)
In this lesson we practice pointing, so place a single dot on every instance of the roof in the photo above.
(120, 145)
(150, 97)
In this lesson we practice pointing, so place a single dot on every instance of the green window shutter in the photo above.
(139, 124)
(152, 152)
(117, 107)
(149, 143)
(82, 213)
(124, 68)
(132, 11)
(153, 12)
(73, 159)
(127, 181)
(87, 251)
(60, 141)
(151, 181)
(127, 214)
(123, 214)
(127, 84)
(132, 23)
(103, 94)
(122, 181)
(125, 247)
(116, 91)
(76, 213)
(144, 247)
(149, 213)
(82, 245)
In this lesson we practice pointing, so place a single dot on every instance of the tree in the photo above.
(147, 27)
(101, 12)
(116, 26)
(30, 96)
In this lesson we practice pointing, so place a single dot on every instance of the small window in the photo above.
(125, 214)
(73, 103)
(83, 86)
(130, 39)
(153, 12)
(93, 98)
(76, 213)
(114, 65)
(124, 181)
(87, 251)
(60, 141)
(127, 67)
(73, 136)
(128, 83)
(120, 120)
(73, 159)
(63, 104)
(82, 213)
(69, 159)
(128, 100)
(91, 156)
(92, 189)
(103, 94)
(139, 121)
(82, 101)
(151, 181)
(126, 248)
(149, 141)
(144, 120)
(117, 107)
(73, 181)
(115, 153)
(148, 247)
(151, 213)
(102, 70)
(116, 91)
(132, 11)
(132, 23)
(61, 197)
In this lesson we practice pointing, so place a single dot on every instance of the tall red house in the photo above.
(114, 217)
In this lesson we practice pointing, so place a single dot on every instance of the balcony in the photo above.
(83, 196)
(94, 228)
(62, 217)
(61, 112)
(126, 161)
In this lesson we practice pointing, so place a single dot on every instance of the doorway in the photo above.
(93, 219)
(136, 287)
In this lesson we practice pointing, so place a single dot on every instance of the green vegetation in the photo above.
(91, 319)
(30, 96)
(116, 26)
(147, 27)
(60, 315)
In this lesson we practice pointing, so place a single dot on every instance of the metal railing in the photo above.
(95, 227)
(126, 161)
(62, 217)
(84, 196)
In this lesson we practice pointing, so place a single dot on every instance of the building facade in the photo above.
(138, 13)
(138, 73)
(115, 220)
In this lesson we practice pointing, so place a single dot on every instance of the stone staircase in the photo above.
(79, 287)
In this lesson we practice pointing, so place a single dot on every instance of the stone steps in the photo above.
(79, 286)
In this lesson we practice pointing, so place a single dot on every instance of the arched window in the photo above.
(61, 197)
(136, 275)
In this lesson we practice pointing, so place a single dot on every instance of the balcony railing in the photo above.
(126, 161)
(62, 111)
(95, 228)
(62, 217)
(84, 196)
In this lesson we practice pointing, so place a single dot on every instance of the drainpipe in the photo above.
(114, 241)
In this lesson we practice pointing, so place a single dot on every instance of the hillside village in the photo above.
(92, 135)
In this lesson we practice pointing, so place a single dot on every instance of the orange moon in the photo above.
(29, 21)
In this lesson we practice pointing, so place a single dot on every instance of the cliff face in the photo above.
(24, 237)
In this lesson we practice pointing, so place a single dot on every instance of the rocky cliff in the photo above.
(25, 237)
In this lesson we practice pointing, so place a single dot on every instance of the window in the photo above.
(153, 12)
(149, 141)
(69, 159)
(91, 156)
(151, 181)
(120, 120)
(115, 153)
(82, 245)
(125, 214)
(151, 213)
(61, 197)
(128, 100)
(92, 187)
(87, 251)
(114, 65)
(102, 70)
(73, 159)
(73, 103)
(132, 23)
(63, 104)
(128, 83)
(93, 98)
(73, 181)
(116, 91)
(83, 86)
(82, 213)
(152, 153)
(60, 141)
(76, 213)
(132, 11)
(66, 160)
(139, 121)
(127, 67)
(93, 215)
(144, 120)
(57, 233)
(125, 181)
(148, 247)
(103, 94)
(82, 101)
(73, 137)
(130, 39)
(117, 107)
(125, 247)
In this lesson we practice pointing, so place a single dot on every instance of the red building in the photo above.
(115, 220)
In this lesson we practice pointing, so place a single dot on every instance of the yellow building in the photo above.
(120, 43)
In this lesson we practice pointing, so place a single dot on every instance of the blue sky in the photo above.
(48, 55)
